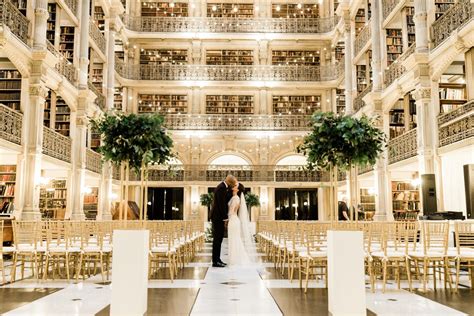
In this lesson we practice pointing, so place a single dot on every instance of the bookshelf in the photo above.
(164, 9)
(339, 51)
(394, 45)
(361, 76)
(118, 98)
(91, 203)
(340, 101)
(296, 104)
(295, 10)
(163, 103)
(163, 56)
(96, 71)
(99, 18)
(368, 62)
(51, 26)
(295, 57)
(10, 88)
(409, 13)
(62, 117)
(336, 4)
(367, 200)
(359, 21)
(229, 104)
(451, 96)
(229, 57)
(66, 43)
(405, 198)
(53, 198)
(95, 139)
(442, 6)
(7, 188)
(21, 5)
(47, 121)
(369, 10)
(225, 10)
(396, 122)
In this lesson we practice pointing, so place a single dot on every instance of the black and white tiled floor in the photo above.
(199, 289)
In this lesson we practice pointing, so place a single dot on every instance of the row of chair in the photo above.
(81, 248)
(408, 248)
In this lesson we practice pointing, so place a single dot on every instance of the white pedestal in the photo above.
(129, 272)
(346, 280)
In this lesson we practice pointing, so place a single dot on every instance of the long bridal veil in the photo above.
(245, 222)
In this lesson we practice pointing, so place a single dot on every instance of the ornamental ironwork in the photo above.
(93, 161)
(402, 147)
(56, 145)
(365, 169)
(230, 24)
(456, 125)
(10, 124)
(11, 17)
(454, 18)
(394, 71)
(100, 99)
(72, 5)
(388, 6)
(457, 113)
(97, 37)
(359, 102)
(362, 38)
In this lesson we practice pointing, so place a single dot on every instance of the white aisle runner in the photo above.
(234, 291)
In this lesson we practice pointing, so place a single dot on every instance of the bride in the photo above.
(238, 228)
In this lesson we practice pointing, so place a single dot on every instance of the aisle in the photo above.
(234, 291)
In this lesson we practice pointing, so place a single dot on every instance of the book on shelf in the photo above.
(229, 57)
(164, 9)
(163, 56)
(7, 190)
(441, 6)
(229, 104)
(224, 10)
(295, 10)
(6, 207)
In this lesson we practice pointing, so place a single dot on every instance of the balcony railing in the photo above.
(10, 124)
(362, 39)
(115, 172)
(72, 4)
(365, 169)
(210, 173)
(388, 6)
(228, 73)
(394, 71)
(12, 17)
(56, 145)
(455, 17)
(230, 25)
(100, 100)
(358, 100)
(93, 161)
(456, 125)
(238, 122)
(402, 147)
(63, 66)
(97, 36)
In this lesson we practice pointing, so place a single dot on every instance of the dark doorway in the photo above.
(165, 203)
(296, 204)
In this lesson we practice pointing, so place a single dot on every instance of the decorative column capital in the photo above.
(38, 90)
(421, 93)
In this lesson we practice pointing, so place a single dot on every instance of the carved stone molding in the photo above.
(38, 90)
(421, 93)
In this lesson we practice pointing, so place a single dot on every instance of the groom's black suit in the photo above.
(219, 210)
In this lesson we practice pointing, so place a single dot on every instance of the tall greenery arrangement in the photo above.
(252, 199)
(341, 142)
(206, 199)
(133, 141)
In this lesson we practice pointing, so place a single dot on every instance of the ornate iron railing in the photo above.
(410, 50)
(365, 169)
(228, 73)
(238, 122)
(67, 69)
(456, 125)
(56, 145)
(362, 39)
(402, 147)
(72, 4)
(93, 161)
(230, 24)
(394, 71)
(455, 17)
(12, 17)
(212, 173)
(10, 124)
(115, 172)
(97, 37)
(358, 100)
(388, 6)
(100, 100)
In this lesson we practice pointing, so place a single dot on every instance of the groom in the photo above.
(219, 216)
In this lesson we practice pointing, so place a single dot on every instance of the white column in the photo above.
(40, 26)
(421, 26)
(376, 47)
(348, 63)
(84, 44)
(111, 61)
(105, 191)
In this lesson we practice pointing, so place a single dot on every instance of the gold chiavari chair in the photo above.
(29, 247)
(4, 250)
(296, 246)
(161, 249)
(464, 236)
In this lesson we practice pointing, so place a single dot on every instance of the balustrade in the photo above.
(56, 145)
(456, 125)
(388, 6)
(11, 17)
(358, 100)
(394, 71)
(100, 100)
(93, 161)
(97, 37)
(238, 122)
(67, 69)
(402, 147)
(365, 169)
(72, 4)
(362, 38)
(230, 24)
(455, 17)
(10, 124)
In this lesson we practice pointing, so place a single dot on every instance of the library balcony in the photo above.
(63, 66)
(56, 145)
(97, 37)
(242, 122)
(456, 125)
(397, 68)
(11, 17)
(402, 147)
(100, 100)
(362, 39)
(365, 169)
(359, 102)
(70, 5)
(453, 19)
(10, 124)
(388, 7)
(230, 25)
(229, 72)
(93, 161)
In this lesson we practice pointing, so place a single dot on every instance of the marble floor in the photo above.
(199, 289)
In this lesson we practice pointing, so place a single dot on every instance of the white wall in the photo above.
(453, 178)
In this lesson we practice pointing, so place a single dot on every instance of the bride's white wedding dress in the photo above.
(238, 231)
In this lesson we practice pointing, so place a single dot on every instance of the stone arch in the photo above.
(239, 157)
(283, 156)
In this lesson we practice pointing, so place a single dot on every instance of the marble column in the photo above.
(469, 64)
(105, 191)
(32, 151)
(348, 80)
(40, 25)
(376, 47)
(421, 26)
(84, 44)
